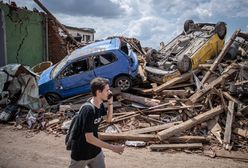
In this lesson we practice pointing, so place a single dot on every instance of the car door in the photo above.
(75, 78)
(106, 65)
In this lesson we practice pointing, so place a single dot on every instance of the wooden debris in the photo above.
(229, 121)
(231, 155)
(189, 123)
(158, 147)
(142, 100)
(174, 81)
(241, 132)
(121, 136)
(188, 139)
(152, 129)
(199, 94)
(221, 55)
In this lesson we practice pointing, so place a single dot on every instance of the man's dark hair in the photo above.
(98, 84)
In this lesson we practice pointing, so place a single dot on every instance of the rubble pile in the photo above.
(203, 109)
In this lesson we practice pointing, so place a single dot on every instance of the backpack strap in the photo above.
(89, 104)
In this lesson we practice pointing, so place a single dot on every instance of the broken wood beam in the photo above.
(151, 119)
(159, 147)
(171, 109)
(220, 56)
(231, 155)
(229, 97)
(200, 93)
(165, 134)
(188, 139)
(153, 129)
(174, 81)
(122, 136)
(180, 93)
(114, 120)
(241, 132)
(142, 100)
(228, 127)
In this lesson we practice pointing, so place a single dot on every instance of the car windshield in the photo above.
(58, 67)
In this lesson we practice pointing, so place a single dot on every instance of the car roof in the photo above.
(104, 45)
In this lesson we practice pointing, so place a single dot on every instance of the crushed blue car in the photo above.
(112, 59)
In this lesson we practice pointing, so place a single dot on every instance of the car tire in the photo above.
(124, 82)
(52, 98)
(150, 55)
(220, 28)
(184, 63)
(187, 24)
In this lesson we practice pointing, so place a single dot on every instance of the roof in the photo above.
(91, 30)
(104, 45)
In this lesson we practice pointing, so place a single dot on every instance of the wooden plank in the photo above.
(158, 147)
(184, 105)
(180, 93)
(152, 129)
(151, 119)
(231, 98)
(229, 121)
(170, 109)
(143, 91)
(114, 120)
(188, 139)
(121, 136)
(174, 81)
(241, 132)
(190, 123)
(231, 154)
(139, 99)
(200, 93)
(220, 56)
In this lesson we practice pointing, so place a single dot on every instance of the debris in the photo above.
(135, 143)
(157, 147)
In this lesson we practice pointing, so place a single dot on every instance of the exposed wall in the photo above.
(2, 40)
(25, 35)
(57, 46)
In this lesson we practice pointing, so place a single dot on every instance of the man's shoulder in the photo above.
(88, 107)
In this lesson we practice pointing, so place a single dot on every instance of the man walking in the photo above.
(86, 148)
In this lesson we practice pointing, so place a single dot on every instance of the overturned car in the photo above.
(195, 45)
(112, 59)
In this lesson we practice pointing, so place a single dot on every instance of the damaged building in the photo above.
(31, 37)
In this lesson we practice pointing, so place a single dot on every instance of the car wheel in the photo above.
(52, 98)
(150, 55)
(220, 28)
(187, 24)
(184, 63)
(123, 82)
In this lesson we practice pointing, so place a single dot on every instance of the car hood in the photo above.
(45, 76)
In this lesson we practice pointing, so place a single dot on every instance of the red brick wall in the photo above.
(56, 44)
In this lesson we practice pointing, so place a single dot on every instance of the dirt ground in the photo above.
(22, 149)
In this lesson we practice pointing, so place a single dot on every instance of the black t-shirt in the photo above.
(88, 121)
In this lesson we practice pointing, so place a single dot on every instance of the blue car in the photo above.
(112, 59)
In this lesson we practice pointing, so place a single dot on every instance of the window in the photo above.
(124, 47)
(76, 68)
(104, 59)
(87, 38)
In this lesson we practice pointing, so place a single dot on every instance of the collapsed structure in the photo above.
(201, 108)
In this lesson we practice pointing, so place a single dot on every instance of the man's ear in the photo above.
(98, 92)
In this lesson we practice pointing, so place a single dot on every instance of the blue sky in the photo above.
(150, 21)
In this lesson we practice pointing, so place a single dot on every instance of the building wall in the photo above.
(57, 46)
(84, 34)
(2, 40)
(25, 35)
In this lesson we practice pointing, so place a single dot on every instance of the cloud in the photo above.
(102, 8)
(151, 21)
